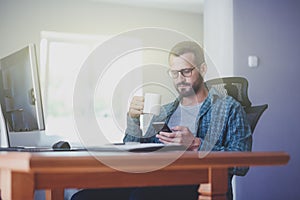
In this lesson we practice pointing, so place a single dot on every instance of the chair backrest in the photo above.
(254, 113)
(237, 87)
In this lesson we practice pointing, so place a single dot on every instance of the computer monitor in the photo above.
(20, 93)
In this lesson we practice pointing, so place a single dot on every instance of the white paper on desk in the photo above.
(138, 147)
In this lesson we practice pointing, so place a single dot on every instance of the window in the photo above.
(61, 56)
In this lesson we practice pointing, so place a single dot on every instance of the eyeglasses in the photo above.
(187, 72)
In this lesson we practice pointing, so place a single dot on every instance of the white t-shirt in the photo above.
(185, 116)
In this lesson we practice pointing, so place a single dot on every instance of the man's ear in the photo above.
(203, 69)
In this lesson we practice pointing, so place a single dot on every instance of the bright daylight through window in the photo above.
(61, 58)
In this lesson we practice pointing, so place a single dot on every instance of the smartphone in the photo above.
(161, 126)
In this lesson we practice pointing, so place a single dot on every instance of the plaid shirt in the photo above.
(222, 126)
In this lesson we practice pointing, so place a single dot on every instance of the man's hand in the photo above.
(136, 106)
(180, 135)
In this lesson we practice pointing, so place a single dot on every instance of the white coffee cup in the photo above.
(152, 103)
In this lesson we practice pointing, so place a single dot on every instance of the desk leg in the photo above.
(56, 194)
(217, 187)
(16, 186)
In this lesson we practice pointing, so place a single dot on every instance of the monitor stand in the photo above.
(4, 141)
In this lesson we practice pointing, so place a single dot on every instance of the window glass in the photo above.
(61, 58)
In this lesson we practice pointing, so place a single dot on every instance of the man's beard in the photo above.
(190, 90)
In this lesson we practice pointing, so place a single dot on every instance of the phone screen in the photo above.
(161, 126)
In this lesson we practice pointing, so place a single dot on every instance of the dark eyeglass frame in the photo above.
(186, 72)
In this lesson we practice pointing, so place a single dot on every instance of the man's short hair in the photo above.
(189, 47)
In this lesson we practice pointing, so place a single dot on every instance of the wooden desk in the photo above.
(22, 173)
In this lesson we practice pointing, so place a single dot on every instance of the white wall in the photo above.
(23, 20)
(218, 35)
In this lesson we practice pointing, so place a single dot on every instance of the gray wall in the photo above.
(270, 29)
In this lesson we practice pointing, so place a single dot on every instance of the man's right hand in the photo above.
(136, 106)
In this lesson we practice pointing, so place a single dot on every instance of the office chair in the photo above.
(237, 87)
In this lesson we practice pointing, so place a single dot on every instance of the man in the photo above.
(199, 119)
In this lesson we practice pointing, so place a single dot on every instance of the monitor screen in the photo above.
(20, 94)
